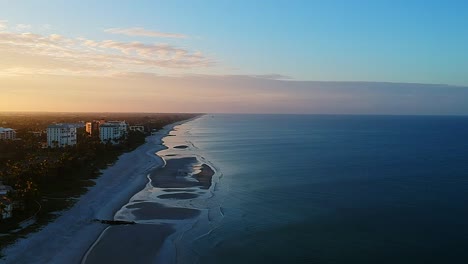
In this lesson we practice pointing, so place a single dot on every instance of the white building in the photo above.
(60, 135)
(7, 210)
(7, 133)
(113, 131)
(137, 128)
(4, 189)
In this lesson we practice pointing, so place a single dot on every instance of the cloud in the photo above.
(55, 37)
(141, 32)
(23, 27)
(43, 28)
(3, 24)
(80, 56)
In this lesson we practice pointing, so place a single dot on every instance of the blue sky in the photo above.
(396, 41)
(335, 56)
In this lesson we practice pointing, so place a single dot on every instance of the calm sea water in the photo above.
(331, 189)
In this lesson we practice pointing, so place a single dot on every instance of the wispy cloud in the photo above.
(138, 31)
(3, 24)
(58, 54)
(23, 27)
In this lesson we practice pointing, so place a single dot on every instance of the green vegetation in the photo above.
(47, 180)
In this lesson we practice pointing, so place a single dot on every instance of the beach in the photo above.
(162, 211)
(271, 194)
(67, 238)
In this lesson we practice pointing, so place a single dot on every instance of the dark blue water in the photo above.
(335, 189)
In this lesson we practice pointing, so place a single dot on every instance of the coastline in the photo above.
(67, 238)
(171, 204)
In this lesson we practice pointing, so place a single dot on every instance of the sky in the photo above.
(319, 57)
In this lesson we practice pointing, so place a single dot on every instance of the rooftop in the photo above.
(110, 125)
(4, 129)
(113, 124)
(66, 125)
(116, 122)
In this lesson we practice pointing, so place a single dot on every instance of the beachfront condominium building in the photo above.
(6, 211)
(92, 127)
(7, 133)
(113, 131)
(7, 206)
(61, 135)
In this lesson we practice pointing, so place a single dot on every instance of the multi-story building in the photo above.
(60, 135)
(6, 211)
(113, 131)
(92, 127)
(7, 133)
(4, 189)
(137, 128)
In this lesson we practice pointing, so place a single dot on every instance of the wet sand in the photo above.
(179, 190)
(182, 196)
(182, 178)
(204, 176)
(130, 244)
(151, 210)
(68, 238)
(176, 174)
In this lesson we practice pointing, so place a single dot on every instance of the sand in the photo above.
(126, 251)
(176, 174)
(152, 211)
(67, 238)
(179, 179)
(179, 190)
(173, 174)
(183, 196)
(204, 176)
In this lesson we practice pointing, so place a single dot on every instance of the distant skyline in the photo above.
(353, 57)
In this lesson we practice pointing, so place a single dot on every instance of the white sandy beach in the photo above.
(67, 238)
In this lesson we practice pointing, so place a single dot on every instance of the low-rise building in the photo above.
(6, 206)
(4, 189)
(7, 133)
(113, 131)
(137, 128)
(60, 135)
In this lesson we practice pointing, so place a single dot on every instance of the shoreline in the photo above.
(164, 210)
(73, 233)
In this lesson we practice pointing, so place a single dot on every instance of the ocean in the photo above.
(315, 189)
